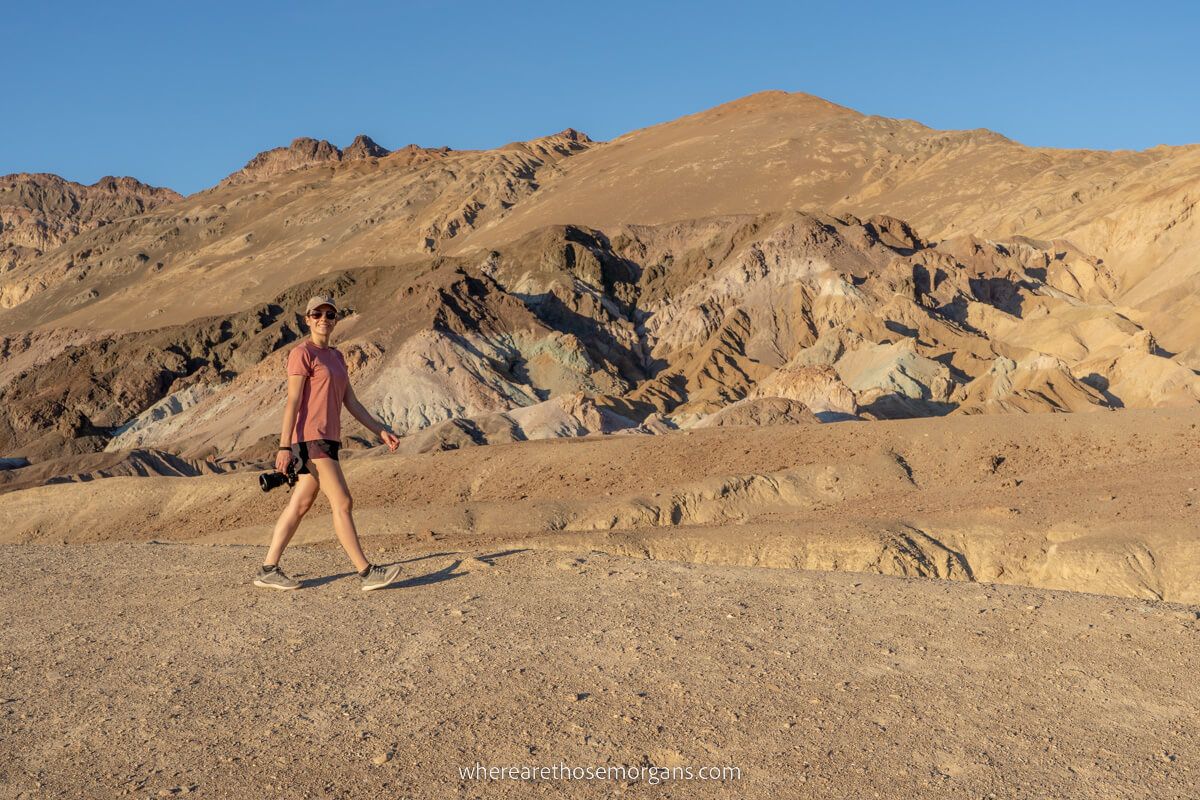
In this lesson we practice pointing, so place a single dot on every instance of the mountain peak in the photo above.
(779, 100)
(572, 135)
(557, 145)
(364, 146)
(304, 151)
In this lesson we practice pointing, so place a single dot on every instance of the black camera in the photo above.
(270, 480)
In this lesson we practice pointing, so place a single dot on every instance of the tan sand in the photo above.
(150, 671)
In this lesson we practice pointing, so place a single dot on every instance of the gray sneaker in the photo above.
(379, 577)
(275, 579)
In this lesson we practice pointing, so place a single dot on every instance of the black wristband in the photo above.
(285, 449)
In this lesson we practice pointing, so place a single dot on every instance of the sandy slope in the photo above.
(775, 150)
(149, 671)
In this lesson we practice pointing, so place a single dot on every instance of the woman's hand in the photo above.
(390, 439)
(282, 459)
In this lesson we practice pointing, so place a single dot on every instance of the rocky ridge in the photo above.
(301, 153)
(39, 212)
(218, 249)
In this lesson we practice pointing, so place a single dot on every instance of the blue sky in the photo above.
(181, 95)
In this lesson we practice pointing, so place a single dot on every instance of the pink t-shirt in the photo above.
(319, 415)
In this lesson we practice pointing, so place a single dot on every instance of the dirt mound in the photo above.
(760, 411)
(93, 466)
(1043, 383)
(564, 416)
(818, 389)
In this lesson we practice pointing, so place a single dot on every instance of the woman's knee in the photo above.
(304, 503)
(342, 503)
(305, 496)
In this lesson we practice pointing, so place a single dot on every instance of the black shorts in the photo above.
(303, 452)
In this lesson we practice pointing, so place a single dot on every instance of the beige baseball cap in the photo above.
(320, 300)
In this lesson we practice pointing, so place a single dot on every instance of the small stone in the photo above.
(382, 759)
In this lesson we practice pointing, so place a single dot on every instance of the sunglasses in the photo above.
(323, 315)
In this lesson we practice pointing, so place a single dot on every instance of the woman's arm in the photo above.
(295, 387)
(360, 413)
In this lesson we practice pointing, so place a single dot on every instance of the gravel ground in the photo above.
(150, 670)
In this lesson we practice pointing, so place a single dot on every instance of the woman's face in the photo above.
(322, 319)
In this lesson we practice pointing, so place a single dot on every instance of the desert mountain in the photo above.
(39, 212)
(317, 207)
(776, 151)
(776, 259)
(290, 215)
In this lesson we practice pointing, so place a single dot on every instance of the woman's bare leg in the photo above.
(303, 495)
(333, 483)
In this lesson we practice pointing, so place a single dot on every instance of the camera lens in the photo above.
(269, 480)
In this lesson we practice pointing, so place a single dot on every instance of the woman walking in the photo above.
(318, 385)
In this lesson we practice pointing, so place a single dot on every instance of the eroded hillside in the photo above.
(733, 267)
(647, 328)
